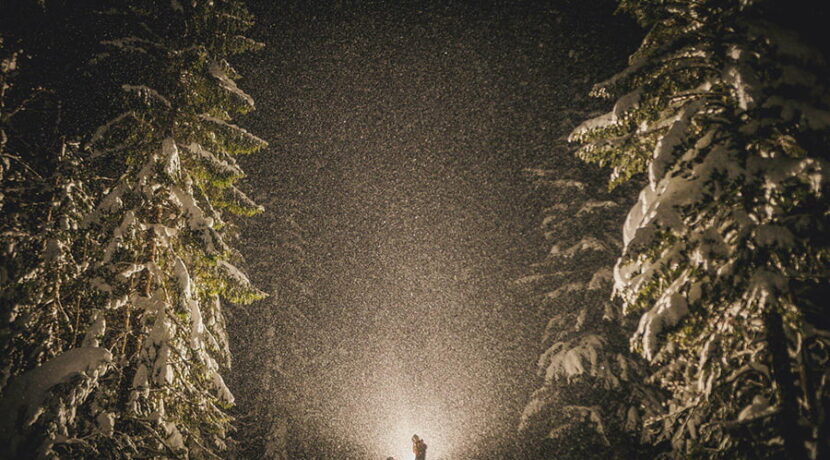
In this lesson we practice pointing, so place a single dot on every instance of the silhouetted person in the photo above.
(419, 448)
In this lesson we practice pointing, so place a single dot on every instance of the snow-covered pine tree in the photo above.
(161, 180)
(726, 252)
(591, 387)
(50, 364)
(165, 262)
(42, 203)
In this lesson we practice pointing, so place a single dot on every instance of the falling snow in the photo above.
(406, 169)
(404, 133)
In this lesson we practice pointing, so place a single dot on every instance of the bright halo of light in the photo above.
(391, 409)
(401, 421)
(399, 442)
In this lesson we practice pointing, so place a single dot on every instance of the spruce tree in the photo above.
(725, 253)
(43, 201)
(136, 222)
(592, 389)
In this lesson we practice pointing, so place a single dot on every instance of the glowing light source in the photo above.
(391, 407)
(400, 421)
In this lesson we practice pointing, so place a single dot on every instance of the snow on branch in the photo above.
(28, 391)
(220, 73)
(146, 94)
(568, 359)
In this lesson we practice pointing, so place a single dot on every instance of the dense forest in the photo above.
(662, 167)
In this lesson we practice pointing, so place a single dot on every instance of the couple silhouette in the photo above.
(419, 448)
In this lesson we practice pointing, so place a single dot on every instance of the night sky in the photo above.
(400, 133)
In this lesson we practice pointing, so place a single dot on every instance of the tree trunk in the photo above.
(823, 431)
(785, 383)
